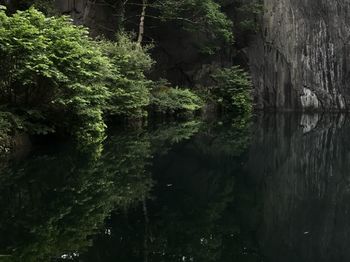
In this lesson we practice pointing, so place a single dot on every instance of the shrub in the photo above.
(233, 89)
(127, 85)
(168, 100)
(51, 66)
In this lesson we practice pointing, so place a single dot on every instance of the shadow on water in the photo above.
(273, 190)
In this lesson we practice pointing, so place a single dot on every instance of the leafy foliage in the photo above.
(168, 100)
(126, 81)
(55, 78)
(233, 89)
(53, 69)
(200, 16)
(50, 66)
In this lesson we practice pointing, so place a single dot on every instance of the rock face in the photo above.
(98, 15)
(302, 59)
(75, 8)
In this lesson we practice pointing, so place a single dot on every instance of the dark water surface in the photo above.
(276, 189)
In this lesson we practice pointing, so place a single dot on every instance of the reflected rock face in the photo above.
(302, 164)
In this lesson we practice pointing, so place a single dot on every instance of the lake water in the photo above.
(275, 189)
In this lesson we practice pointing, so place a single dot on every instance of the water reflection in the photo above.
(52, 202)
(57, 199)
(192, 215)
(302, 163)
(228, 190)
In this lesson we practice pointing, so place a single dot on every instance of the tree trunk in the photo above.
(142, 22)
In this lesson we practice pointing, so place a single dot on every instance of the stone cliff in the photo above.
(301, 60)
(100, 16)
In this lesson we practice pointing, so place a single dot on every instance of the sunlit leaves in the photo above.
(174, 100)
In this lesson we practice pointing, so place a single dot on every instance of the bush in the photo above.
(126, 82)
(52, 67)
(168, 100)
(233, 90)
(55, 77)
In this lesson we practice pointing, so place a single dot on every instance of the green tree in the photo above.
(233, 90)
(205, 16)
(55, 78)
(126, 81)
(201, 17)
(53, 68)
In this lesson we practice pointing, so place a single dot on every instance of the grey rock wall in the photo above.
(301, 61)
(100, 16)
(75, 8)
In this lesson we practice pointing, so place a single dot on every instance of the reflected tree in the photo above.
(55, 201)
(52, 203)
(194, 214)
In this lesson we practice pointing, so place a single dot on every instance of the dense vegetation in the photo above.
(63, 79)
(55, 78)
